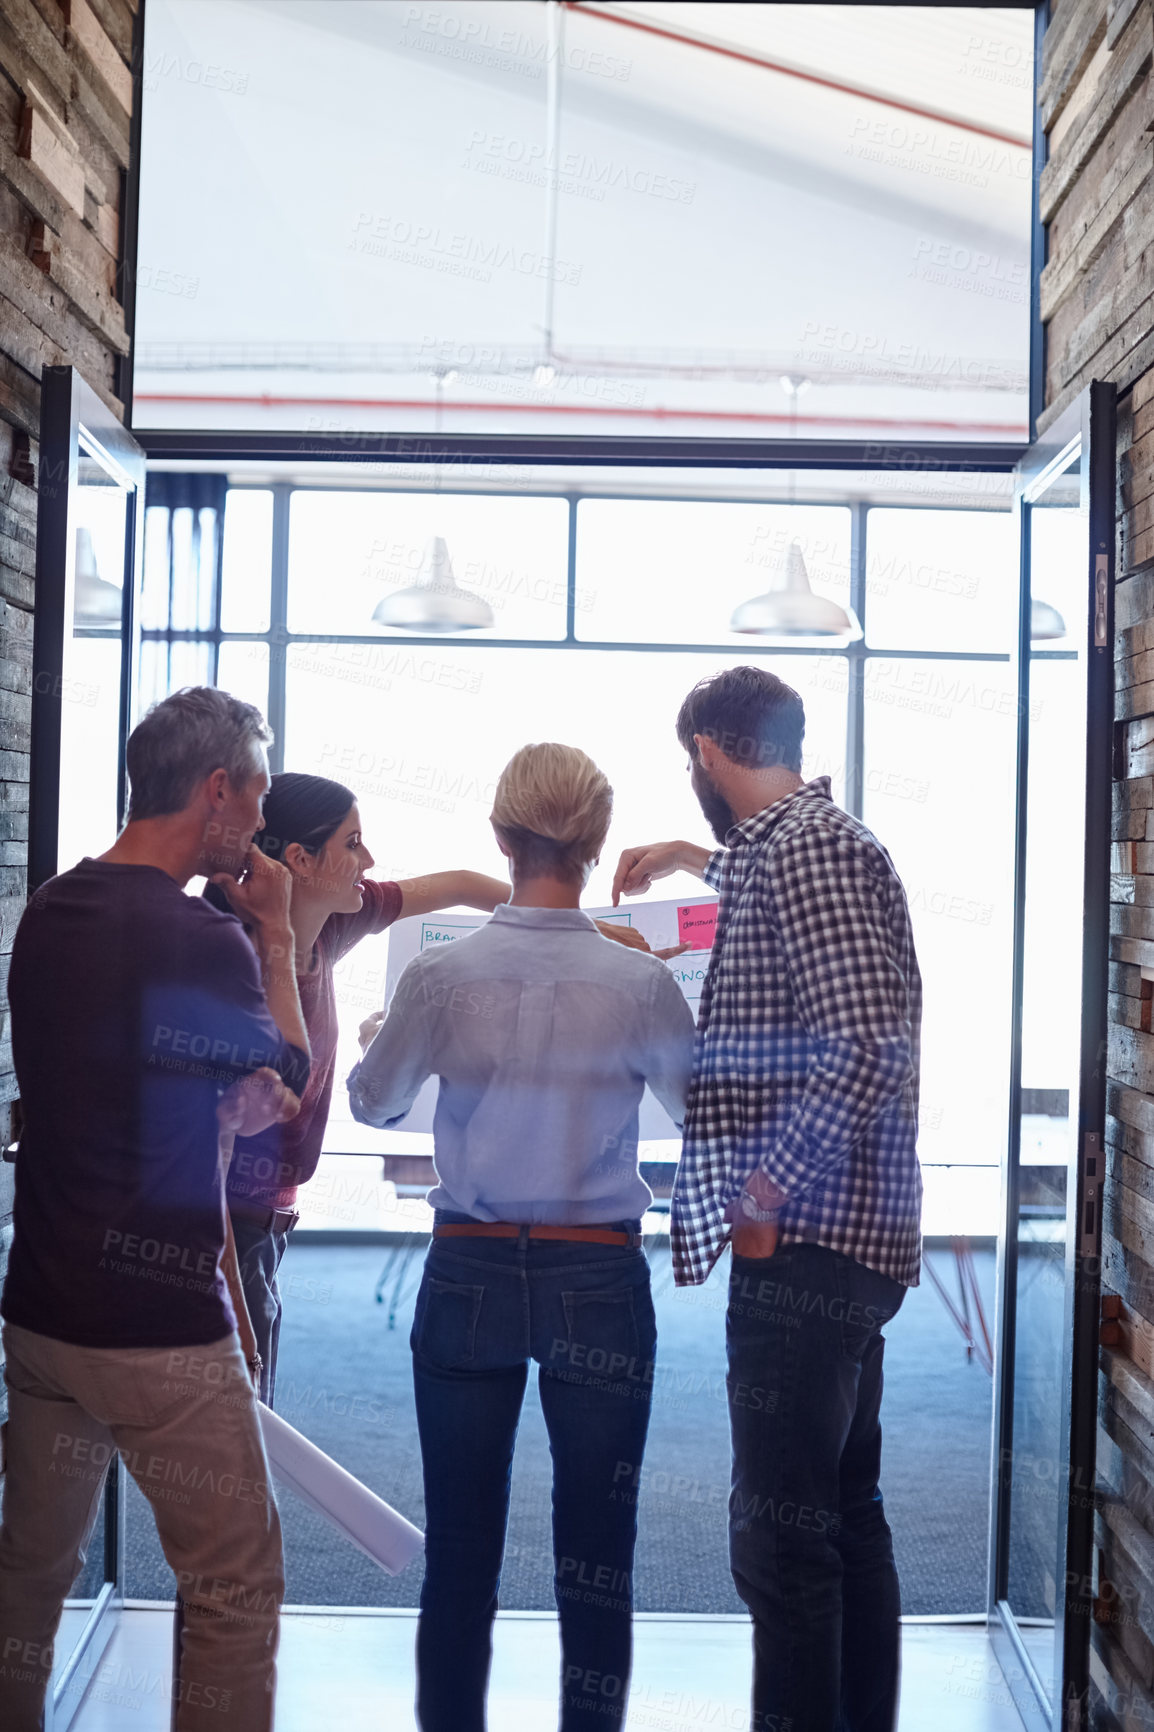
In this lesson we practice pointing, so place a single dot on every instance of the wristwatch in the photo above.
(753, 1211)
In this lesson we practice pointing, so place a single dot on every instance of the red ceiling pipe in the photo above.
(1010, 430)
(767, 65)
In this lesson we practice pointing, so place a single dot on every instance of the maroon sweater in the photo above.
(267, 1169)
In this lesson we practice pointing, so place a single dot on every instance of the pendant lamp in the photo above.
(96, 601)
(436, 602)
(1045, 622)
(789, 608)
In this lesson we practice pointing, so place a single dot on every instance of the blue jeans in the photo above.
(258, 1256)
(809, 1545)
(485, 1308)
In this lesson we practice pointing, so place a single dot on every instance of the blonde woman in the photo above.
(544, 1036)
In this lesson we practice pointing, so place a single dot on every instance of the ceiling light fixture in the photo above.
(436, 602)
(95, 600)
(789, 608)
(1046, 623)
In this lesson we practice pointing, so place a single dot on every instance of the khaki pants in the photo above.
(185, 1422)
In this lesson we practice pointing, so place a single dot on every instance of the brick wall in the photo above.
(1097, 300)
(65, 106)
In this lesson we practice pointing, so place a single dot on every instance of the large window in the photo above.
(499, 217)
(630, 231)
(605, 610)
(938, 733)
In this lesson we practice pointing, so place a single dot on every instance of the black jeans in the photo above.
(485, 1308)
(258, 1255)
(810, 1547)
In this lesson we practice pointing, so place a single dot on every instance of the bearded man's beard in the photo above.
(718, 812)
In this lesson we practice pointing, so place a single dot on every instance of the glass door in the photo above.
(1041, 1593)
(88, 560)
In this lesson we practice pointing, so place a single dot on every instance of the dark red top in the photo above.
(267, 1169)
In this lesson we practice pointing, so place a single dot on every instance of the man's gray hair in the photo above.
(183, 739)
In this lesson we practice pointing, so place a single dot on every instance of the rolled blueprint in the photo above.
(372, 1525)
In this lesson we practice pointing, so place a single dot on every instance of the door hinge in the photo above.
(1089, 1196)
(1101, 597)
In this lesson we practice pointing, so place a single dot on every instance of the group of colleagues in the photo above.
(175, 1056)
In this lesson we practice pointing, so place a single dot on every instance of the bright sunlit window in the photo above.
(604, 611)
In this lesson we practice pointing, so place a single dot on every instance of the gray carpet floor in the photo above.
(344, 1380)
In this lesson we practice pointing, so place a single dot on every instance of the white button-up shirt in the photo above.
(544, 1034)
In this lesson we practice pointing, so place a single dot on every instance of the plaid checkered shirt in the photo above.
(806, 1055)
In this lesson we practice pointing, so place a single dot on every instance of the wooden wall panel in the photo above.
(1096, 196)
(65, 115)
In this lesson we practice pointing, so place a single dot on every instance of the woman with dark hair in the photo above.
(312, 826)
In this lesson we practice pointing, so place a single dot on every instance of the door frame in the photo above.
(75, 420)
(1086, 429)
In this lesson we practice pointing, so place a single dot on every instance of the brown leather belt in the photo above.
(267, 1220)
(510, 1230)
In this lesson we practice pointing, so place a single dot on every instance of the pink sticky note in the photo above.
(696, 925)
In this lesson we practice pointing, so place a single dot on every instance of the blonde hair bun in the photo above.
(553, 795)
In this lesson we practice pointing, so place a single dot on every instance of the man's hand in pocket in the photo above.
(754, 1240)
(751, 1237)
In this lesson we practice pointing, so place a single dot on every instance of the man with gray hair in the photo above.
(143, 1027)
